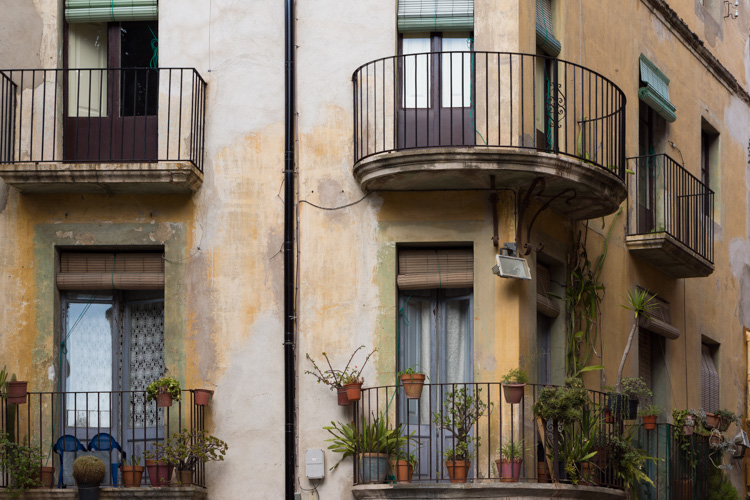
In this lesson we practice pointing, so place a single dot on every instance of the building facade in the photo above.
(142, 225)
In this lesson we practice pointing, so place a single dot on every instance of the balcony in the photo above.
(671, 226)
(118, 130)
(115, 426)
(466, 120)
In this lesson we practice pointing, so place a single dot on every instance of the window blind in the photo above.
(107, 271)
(435, 15)
(644, 357)
(443, 268)
(655, 92)
(545, 33)
(709, 381)
(544, 303)
(659, 321)
(100, 11)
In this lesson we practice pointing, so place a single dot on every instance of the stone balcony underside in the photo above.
(162, 177)
(669, 255)
(598, 192)
(515, 491)
(108, 493)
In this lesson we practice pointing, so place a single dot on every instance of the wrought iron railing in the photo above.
(669, 199)
(67, 424)
(542, 443)
(488, 99)
(99, 115)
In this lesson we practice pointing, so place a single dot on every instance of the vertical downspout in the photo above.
(289, 313)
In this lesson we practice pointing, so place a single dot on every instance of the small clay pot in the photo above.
(202, 396)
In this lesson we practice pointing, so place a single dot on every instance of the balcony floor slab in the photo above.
(669, 255)
(515, 491)
(108, 493)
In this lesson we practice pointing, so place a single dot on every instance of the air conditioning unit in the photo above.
(512, 267)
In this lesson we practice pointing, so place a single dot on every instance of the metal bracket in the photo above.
(526, 202)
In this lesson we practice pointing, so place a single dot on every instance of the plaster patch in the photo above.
(163, 233)
(64, 234)
(85, 238)
(737, 120)
(51, 373)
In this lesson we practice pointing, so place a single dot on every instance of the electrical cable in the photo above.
(337, 208)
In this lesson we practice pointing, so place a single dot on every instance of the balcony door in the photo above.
(112, 89)
(435, 335)
(437, 91)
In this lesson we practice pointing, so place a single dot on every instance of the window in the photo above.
(709, 379)
(651, 139)
(709, 152)
(548, 308)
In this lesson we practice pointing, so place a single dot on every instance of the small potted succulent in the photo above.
(509, 466)
(88, 471)
(710, 420)
(684, 421)
(132, 474)
(347, 382)
(513, 384)
(163, 391)
(726, 418)
(413, 381)
(649, 414)
(187, 449)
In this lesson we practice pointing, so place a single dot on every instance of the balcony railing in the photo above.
(114, 115)
(542, 444)
(67, 424)
(669, 199)
(488, 99)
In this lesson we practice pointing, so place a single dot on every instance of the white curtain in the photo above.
(416, 91)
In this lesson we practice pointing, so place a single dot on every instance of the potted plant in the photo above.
(339, 379)
(727, 417)
(711, 420)
(462, 409)
(158, 467)
(413, 381)
(132, 474)
(88, 471)
(163, 391)
(187, 449)
(17, 390)
(684, 421)
(649, 414)
(403, 466)
(628, 461)
(22, 463)
(509, 465)
(371, 444)
(513, 383)
(202, 397)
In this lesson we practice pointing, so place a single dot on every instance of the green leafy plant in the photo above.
(186, 449)
(562, 404)
(512, 450)
(336, 379)
(375, 436)
(88, 469)
(629, 461)
(134, 461)
(650, 410)
(635, 388)
(412, 370)
(22, 463)
(720, 487)
(462, 409)
(641, 304)
(729, 416)
(515, 376)
(164, 384)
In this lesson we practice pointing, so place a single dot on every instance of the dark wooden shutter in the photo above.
(544, 303)
(644, 356)
(420, 269)
(107, 271)
(709, 381)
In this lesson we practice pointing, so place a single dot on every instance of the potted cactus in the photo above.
(88, 471)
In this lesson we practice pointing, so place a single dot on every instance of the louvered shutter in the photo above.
(709, 381)
(544, 303)
(655, 92)
(107, 271)
(545, 34)
(659, 321)
(442, 268)
(435, 15)
(644, 357)
(102, 11)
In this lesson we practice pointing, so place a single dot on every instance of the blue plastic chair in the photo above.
(66, 443)
(105, 442)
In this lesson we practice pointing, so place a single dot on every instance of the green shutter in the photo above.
(655, 93)
(97, 11)
(435, 15)
(545, 35)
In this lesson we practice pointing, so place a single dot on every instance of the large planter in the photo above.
(354, 391)
(17, 392)
(402, 470)
(163, 399)
(342, 398)
(622, 406)
(88, 492)
(712, 421)
(513, 393)
(510, 470)
(373, 467)
(413, 383)
(132, 475)
(458, 470)
(202, 396)
(158, 474)
(649, 422)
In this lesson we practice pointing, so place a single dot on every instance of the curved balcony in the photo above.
(458, 120)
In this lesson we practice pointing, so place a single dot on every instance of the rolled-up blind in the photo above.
(99, 11)
(435, 15)
(544, 303)
(106, 271)
(545, 34)
(442, 268)
(659, 321)
(655, 92)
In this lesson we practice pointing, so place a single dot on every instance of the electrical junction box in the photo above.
(315, 464)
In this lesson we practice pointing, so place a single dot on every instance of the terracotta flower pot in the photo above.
(513, 393)
(132, 475)
(354, 391)
(510, 470)
(17, 392)
(587, 474)
(413, 384)
(186, 477)
(158, 474)
(163, 399)
(343, 399)
(202, 396)
(542, 473)
(649, 422)
(687, 429)
(723, 424)
(402, 470)
(47, 477)
(458, 470)
(712, 421)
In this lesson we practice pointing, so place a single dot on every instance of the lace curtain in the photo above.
(146, 360)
